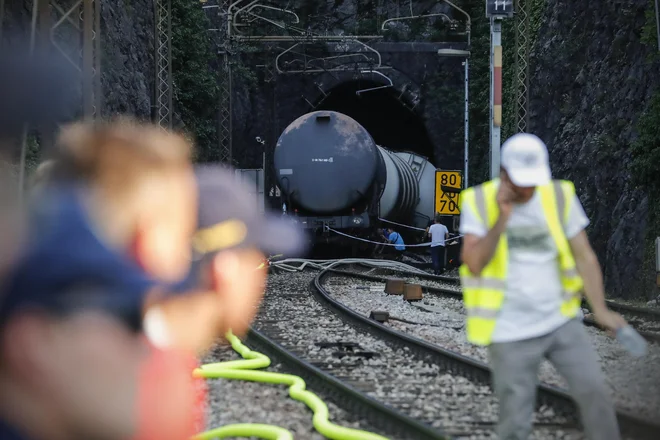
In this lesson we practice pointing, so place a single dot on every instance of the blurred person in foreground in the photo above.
(92, 285)
(526, 260)
(143, 198)
(11, 220)
(74, 359)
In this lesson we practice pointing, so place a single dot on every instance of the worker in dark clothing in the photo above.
(439, 234)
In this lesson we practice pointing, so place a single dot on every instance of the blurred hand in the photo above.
(170, 402)
(610, 320)
(193, 320)
(505, 198)
(239, 287)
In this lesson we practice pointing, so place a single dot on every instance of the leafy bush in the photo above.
(645, 165)
(195, 83)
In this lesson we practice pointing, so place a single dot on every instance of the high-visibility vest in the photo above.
(484, 294)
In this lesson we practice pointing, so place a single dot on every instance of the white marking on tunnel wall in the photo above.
(286, 171)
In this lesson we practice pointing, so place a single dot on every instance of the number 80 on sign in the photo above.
(448, 186)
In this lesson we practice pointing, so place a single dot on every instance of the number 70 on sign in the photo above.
(448, 186)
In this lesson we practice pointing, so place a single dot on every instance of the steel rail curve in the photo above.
(392, 421)
(641, 312)
(622, 308)
(554, 397)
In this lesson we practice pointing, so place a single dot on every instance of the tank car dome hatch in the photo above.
(425, 175)
(325, 162)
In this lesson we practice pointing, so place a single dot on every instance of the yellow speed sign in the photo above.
(447, 192)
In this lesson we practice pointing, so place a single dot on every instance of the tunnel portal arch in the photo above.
(388, 114)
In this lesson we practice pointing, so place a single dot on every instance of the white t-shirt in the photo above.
(533, 295)
(437, 232)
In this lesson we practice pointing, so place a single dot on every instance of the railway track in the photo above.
(282, 331)
(236, 401)
(645, 320)
(446, 392)
(632, 425)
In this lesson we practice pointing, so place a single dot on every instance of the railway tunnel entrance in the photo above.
(386, 117)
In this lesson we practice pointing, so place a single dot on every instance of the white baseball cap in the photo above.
(525, 159)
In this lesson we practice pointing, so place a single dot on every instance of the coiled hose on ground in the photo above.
(244, 370)
(299, 264)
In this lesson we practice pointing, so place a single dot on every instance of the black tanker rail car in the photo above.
(332, 174)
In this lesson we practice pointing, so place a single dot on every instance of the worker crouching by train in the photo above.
(526, 260)
(396, 245)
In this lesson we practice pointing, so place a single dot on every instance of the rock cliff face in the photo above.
(127, 49)
(592, 78)
(127, 28)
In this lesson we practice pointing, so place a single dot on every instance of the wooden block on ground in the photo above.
(412, 292)
(378, 315)
(394, 287)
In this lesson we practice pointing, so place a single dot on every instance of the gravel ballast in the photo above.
(236, 401)
(635, 383)
(392, 375)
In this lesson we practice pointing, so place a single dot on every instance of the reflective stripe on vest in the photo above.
(483, 295)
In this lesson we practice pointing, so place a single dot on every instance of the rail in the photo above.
(623, 308)
(371, 410)
(556, 398)
(244, 370)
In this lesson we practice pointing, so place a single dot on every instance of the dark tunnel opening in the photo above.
(388, 120)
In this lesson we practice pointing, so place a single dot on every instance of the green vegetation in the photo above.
(649, 34)
(645, 167)
(195, 84)
(646, 150)
(479, 136)
(509, 86)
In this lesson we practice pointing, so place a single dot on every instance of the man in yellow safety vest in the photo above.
(526, 260)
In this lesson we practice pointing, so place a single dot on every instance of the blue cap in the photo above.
(229, 218)
(66, 267)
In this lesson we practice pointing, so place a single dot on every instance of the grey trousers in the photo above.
(515, 375)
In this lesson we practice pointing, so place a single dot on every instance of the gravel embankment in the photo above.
(635, 383)
(461, 408)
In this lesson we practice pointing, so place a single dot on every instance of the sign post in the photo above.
(657, 261)
(657, 20)
(448, 185)
(496, 10)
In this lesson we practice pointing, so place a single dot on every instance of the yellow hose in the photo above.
(268, 432)
(253, 360)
